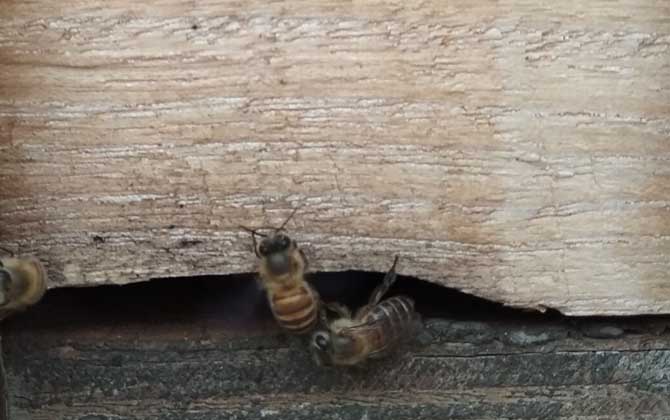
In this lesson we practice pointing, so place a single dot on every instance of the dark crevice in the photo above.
(236, 302)
(432, 301)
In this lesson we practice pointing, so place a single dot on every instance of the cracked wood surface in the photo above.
(201, 361)
(516, 150)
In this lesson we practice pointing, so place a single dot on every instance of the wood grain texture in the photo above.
(197, 361)
(516, 150)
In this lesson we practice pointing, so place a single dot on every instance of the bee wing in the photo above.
(259, 283)
(304, 259)
(384, 287)
(376, 334)
(382, 344)
(387, 326)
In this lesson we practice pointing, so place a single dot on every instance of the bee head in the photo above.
(321, 348)
(276, 251)
(329, 348)
(274, 244)
(275, 248)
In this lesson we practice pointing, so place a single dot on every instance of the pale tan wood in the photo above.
(516, 150)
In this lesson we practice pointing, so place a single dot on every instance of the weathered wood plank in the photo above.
(156, 359)
(514, 150)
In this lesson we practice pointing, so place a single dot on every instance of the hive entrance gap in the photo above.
(237, 304)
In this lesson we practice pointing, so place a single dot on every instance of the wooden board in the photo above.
(516, 150)
(206, 357)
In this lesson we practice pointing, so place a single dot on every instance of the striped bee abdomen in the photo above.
(396, 319)
(295, 309)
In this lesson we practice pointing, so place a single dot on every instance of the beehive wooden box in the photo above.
(514, 150)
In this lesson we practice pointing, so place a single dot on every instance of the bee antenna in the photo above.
(253, 231)
(287, 220)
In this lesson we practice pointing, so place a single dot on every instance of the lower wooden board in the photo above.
(149, 357)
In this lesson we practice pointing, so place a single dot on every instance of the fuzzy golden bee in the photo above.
(376, 329)
(293, 301)
(22, 284)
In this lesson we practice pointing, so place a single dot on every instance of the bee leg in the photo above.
(323, 316)
(304, 259)
(388, 281)
(253, 241)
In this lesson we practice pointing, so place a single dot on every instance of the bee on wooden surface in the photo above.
(293, 301)
(376, 329)
(22, 284)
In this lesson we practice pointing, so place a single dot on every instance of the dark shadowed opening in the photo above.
(237, 304)
(237, 301)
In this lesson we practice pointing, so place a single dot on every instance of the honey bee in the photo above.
(22, 284)
(375, 330)
(293, 301)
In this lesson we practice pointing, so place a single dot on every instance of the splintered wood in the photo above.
(515, 150)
